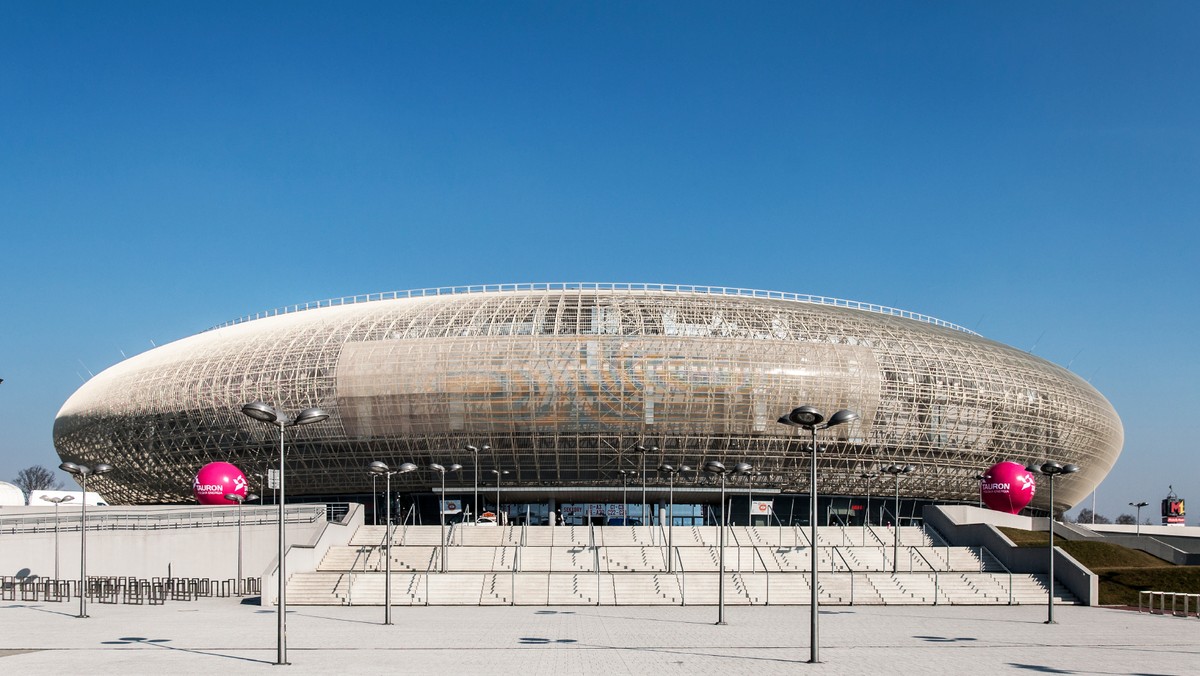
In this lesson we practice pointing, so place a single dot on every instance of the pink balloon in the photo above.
(216, 480)
(1007, 487)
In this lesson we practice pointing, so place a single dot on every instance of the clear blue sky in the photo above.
(1027, 169)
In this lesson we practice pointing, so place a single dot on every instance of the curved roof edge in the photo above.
(599, 286)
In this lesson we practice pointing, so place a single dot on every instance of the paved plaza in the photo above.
(217, 636)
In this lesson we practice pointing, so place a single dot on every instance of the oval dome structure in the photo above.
(564, 381)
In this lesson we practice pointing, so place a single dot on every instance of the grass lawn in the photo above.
(1123, 572)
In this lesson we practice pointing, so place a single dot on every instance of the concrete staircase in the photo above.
(560, 565)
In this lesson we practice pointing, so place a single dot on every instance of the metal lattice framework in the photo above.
(562, 381)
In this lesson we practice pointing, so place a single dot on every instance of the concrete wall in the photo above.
(306, 556)
(966, 526)
(203, 551)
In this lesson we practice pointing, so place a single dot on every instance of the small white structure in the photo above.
(10, 495)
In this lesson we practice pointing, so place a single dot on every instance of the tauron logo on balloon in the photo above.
(216, 480)
(1007, 487)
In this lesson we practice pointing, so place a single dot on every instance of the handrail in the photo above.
(1002, 567)
(682, 289)
(935, 571)
(596, 558)
(682, 577)
(766, 571)
(194, 517)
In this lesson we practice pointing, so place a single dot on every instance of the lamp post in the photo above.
(239, 499)
(979, 488)
(1139, 506)
(643, 450)
(378, 468)
(896, 471)
(671, 471)
(868, 477)
(714, 467)
(263, 412)
(442, 505)
(475, 495)
(56, 501)
(625, 474)
(809, 418)
(83, 472)
(499, 473)
(1051, 469)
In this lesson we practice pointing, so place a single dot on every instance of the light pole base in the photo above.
(1049, 622)
(719, 623)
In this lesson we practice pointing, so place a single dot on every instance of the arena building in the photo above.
(563, 382)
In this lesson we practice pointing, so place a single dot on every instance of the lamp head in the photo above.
(102, 468)
(251, 497)
(470, 448)
(666, 469)
(234, 497)
(309, 416)
(454, 468)
(261, 411)
(742, 468)
(70, 468)
(377, 467)
(407, 467)
(714, 467)
(437, 468)
(806, 417)
(842, 416)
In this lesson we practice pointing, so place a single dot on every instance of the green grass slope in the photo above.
(1123, 572)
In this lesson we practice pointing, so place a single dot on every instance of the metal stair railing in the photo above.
(931, 566)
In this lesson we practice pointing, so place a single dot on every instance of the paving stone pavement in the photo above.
(220, 636)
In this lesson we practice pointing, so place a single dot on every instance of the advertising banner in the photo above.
(762, 507)
(452, 506)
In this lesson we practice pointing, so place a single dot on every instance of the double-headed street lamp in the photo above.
(263, 412)
(868, 477)
(625, 475)
(671, 471)
(475, 495)
(1051, 469)
(1139, 506)
(714, 467)
(896, 471)
(442, 505)
(377, 468)
(499, 473)
(809, 418)
(83, 472)
(645, 507)
(56, 501)
(239, 499)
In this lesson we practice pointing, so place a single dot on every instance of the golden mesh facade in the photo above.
(562, 381)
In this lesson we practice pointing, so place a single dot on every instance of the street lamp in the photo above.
(263, 412)
(625, 474)
(1051, 469)
(475, 495)
(442, 504)
(979, 488)
(378, 468)
(645, 507)
(1139, 506)
(896, 471)
(868, 477)
(714, 467)
(671, 471)
(83, 472)
(499, 473)
(56, 501)
(809, 418)
(239, 499)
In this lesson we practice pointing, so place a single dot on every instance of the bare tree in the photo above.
(36, 478)
(1127, 519)
(1086, 517)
